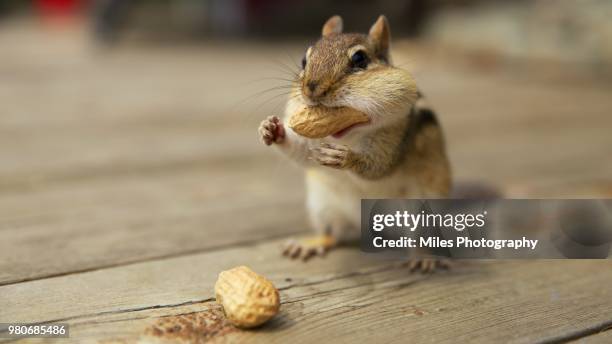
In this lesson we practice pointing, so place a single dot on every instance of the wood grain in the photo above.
(117, 221)
(476, 301)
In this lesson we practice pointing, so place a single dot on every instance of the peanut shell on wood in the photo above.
(248, 299)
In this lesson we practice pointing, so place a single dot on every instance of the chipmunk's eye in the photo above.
(359, 60)
(304, 62)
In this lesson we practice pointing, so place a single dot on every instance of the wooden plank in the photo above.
(166, 282)
(91, 154)
(96, 223)
(74, 115)
(478, 301)
(603, 337)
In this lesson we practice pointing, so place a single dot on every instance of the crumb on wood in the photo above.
(197, 327)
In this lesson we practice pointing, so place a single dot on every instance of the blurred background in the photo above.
(93, 85)
(140, 117)
(108, 86)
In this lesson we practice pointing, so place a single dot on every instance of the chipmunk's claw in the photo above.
(271, 130)
(331, 155)
(307, 248)
(429, 265)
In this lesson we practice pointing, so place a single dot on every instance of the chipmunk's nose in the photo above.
(313, 90)
(312, 86)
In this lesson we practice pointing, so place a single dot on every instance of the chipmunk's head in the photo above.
(355, 70)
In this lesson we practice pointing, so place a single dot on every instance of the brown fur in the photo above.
(426, 152)
(415, 146)
(327, 64)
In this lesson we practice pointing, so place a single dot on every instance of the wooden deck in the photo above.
(130, 178)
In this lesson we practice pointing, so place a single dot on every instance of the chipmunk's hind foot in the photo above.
(306, 248)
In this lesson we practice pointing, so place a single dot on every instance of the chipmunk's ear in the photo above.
(380, 34)
(332, 26)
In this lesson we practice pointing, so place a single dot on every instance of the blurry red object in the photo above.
(56, 8)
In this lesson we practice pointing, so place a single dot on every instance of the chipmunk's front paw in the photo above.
(331, 155)
(271, 130)
(428, 265)
(307, 248)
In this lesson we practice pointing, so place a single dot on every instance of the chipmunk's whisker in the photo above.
(286, 69)
(289, 73)
(293, 70)
(265, 102)
(267, 79)
(285, 90)
(293, 60)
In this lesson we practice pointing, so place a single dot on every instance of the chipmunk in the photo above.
(399, 153)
